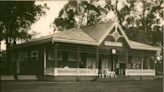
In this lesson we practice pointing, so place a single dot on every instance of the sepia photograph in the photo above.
(81, 45)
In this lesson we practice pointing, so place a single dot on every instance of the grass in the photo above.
(110, 86)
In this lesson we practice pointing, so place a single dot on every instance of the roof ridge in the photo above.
(87, 34)
(90, 36)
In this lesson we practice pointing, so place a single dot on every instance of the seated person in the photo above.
(66, 67)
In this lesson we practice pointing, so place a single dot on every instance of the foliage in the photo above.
(145, 19)
(77, 14)
(141, 19)
(16, 19)
(86, 12)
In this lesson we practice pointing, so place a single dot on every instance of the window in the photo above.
(34, 55)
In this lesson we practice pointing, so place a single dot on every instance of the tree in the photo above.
(16, 19)
(76, 14)
(145, 19)
(137, 17)
(86, 12)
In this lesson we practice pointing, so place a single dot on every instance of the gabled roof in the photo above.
(99, 31)
(92, 35)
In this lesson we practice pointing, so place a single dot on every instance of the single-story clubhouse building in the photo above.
(84, 54)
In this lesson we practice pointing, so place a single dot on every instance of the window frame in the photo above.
(34, 56)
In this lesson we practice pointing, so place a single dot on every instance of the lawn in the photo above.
(110, 86)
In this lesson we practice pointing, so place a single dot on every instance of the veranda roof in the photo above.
(141, 46)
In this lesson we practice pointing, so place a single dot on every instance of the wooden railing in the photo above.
(87, 72)
(65, 71)
(71, 72)
(140, 72)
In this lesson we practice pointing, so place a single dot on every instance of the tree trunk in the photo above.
(144, 19)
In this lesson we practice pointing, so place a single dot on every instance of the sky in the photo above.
(42, 26)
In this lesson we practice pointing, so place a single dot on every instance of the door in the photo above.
(104, 64)
(122, 64)
(122, 69)
(115, 66)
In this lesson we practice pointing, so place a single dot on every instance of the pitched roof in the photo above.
(92, 35)
(141, 46)
(99, 31)
(74, 35)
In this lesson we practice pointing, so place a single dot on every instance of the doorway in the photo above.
(122, 69)
(105, 63)
(115, 64)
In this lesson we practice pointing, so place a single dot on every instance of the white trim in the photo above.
(109, 43)
(72, 72)
(124, 35)
(139, 72)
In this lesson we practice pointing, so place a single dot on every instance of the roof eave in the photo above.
(30, 43)
(75, 41)
(144, 48)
